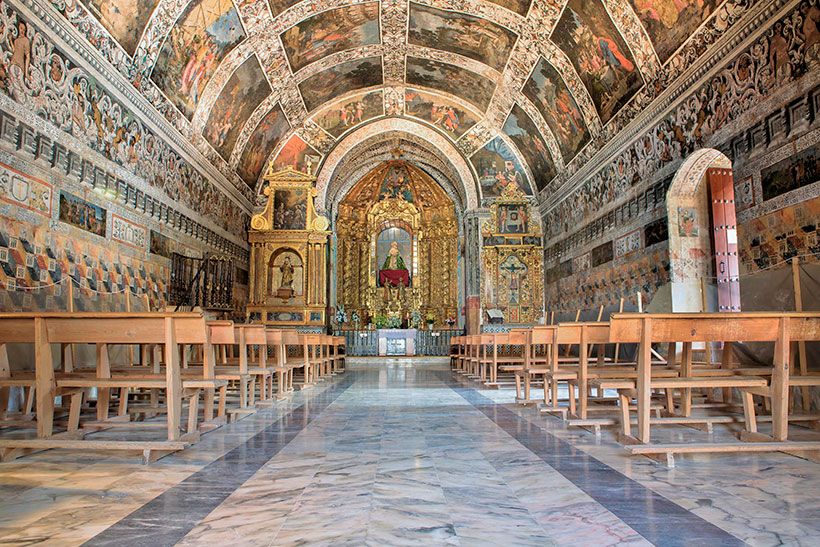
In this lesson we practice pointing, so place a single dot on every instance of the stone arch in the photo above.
(439, 142)
(691, 249)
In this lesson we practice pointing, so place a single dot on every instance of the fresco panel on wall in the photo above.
(328, 84)
(520, 128)
(263, 142)
(124, 19)
(451, 79)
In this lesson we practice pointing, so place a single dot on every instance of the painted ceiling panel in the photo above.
(343, 78)
(498, 167)
(463, 34)
(444, 113)
(205, 33)
(346, 114)
(330, 32)
(451, 79)
(125, 20)
(246, 88)
(273, 127)
(602, 59)
(524, 89)
(549, 93)
(670, 22)
(520, 128)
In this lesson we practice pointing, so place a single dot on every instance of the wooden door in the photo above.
(724, 230)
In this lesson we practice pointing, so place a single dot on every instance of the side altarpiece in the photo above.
(288, 277)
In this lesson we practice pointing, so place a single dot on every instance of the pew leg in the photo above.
(208, 405)
(571, 392)
(193, 413)
(670, 401)
(103, 399)
(29, 408)
(4, 401)
(252, 391)
(554, 389)
(74, 410)
(749, 412)
(626, 425)
(243, 392)
(527, 387)
(223, 396)
(517, 385)
(122, 409)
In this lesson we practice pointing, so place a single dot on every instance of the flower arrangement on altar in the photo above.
(341, 315)
(415, 319)
(450, 321)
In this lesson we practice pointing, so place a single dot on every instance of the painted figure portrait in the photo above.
(261, 145)
(343, 78)
(246, 88)
(551, 96)
(159, 244)
(438, 111)
(687, 221)
(330, 32)
(498, 167)
(278, 6)
(460, 33)
(670, 23)
(599, 53)
(513, 218)
(124, 19)
(794, 172)
(78, 212)
(520, 128)
(297, 154)
(451, 79)
(204, 34)
(290, 209)
(521, 7)
(350, 112)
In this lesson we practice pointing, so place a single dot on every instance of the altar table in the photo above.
(397, 341)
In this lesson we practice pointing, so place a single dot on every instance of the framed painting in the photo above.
(290, 209)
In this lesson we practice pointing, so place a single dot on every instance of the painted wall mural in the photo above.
(600, 55)
(124, 19)
(297, 154)
(330, 32)
(460, 33)
(792, 173)
(452, 79)
(439, 111)
(520, 128)
(350, 112)
(549, 93)
(204, 34)
(744, 82)
(78, 212)
(42, 80)
(263, 141)
(245, 90)
(343, 78)
(670, 23)
(498, 167)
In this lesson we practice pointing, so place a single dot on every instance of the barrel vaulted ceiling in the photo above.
(532, 87)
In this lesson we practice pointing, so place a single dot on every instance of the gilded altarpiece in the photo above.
(288, 277)
(513, 259)
(397, 247)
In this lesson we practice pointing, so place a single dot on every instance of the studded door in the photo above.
(724, 230)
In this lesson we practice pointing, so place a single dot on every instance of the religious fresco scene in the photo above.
(125, 19)
(604, 62)
(198, 42)
(243, 243)
(330, 32)
(451, 79)
(350, 112)
(246, 88)
(266, 137)
(465, 35)
(439, 111)
(340, 79)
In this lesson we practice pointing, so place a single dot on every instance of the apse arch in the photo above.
(445, 148)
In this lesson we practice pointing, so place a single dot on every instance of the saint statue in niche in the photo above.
(284, 276)
(394, 271)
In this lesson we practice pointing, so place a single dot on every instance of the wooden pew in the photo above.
(780, 328)
(296, 343)
(339, 349)
(102, 330)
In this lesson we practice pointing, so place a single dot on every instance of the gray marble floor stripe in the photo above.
(170, 516)
(655, 517)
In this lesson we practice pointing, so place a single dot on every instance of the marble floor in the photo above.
(405, 453)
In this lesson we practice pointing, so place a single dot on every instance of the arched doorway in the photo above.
(703, 234)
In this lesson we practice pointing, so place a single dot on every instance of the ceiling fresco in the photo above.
(528, 90)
